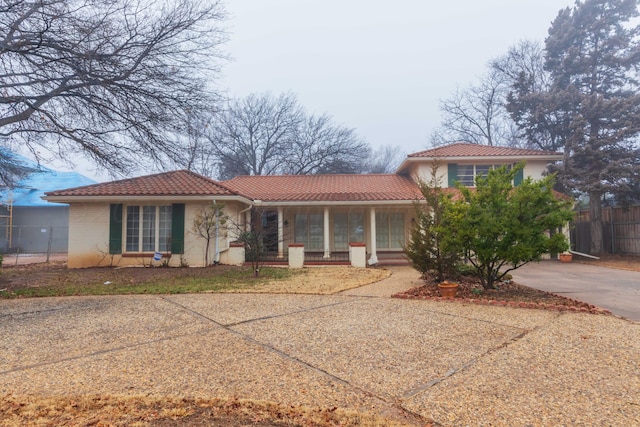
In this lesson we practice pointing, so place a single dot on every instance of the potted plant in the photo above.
(566, 257)
(448, 289)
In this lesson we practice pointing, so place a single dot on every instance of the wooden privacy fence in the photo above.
(620, 231)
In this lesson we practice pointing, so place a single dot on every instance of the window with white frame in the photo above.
(347, 228)
(467, 174)
(390, 232)
(308, 229)
(148, 229)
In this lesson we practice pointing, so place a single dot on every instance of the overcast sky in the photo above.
(380, 67)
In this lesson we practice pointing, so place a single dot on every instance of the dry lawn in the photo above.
(321, 281)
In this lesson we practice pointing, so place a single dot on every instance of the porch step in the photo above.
(326, 263)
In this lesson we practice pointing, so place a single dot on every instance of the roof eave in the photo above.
(285, 203)
(138, 198)
(451, 159)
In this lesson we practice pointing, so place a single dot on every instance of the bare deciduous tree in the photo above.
(12, 169)
(523, 66)
(266, 135)
(472, 114)
(479, 114)
(113, 80)
(198, 155)
(525, 57)
(320, 146)
(385, 159)
(252, 135)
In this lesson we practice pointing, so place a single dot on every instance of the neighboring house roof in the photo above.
(326, 188)
(30, 190)
(176, 183)
(463, 149)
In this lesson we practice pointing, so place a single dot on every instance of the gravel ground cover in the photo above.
(575, 370)
(417, 362)
(411, 361)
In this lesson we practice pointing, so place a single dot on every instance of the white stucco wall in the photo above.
(89, 238)
(533, 168)
(88, 235)
(195, 245)
(423, 171)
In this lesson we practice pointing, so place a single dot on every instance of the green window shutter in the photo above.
(177, 228)
(517, 179)
(453, 174)
(115, 229)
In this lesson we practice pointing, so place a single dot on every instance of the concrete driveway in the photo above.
(411, 360)
(615, 290)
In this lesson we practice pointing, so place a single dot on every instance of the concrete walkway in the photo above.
(410, 360)
(615, 290)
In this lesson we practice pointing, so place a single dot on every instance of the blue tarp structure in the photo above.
(30, 190)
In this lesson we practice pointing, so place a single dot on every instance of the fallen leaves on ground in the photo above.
(142, 411)
(508, 294)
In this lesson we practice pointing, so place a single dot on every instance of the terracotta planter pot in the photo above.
(566, 257)
(448, 290)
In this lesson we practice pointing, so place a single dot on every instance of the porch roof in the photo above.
(326, 188)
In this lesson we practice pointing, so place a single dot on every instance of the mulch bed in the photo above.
(508, 294)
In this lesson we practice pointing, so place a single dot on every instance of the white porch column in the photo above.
(280, 233)
(327, 249)
(373, 259)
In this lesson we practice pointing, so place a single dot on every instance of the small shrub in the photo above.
(466, 270)
(502, 227)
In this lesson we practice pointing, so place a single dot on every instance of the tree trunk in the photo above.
(595, 213)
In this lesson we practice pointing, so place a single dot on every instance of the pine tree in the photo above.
(429, 249)
(593, 103)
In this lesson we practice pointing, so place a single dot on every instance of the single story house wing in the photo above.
(127, 222)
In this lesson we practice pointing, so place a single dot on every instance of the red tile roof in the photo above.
(325, 188)
(176, 183)
(463, 149)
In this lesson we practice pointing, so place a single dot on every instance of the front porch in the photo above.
(327, 233)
